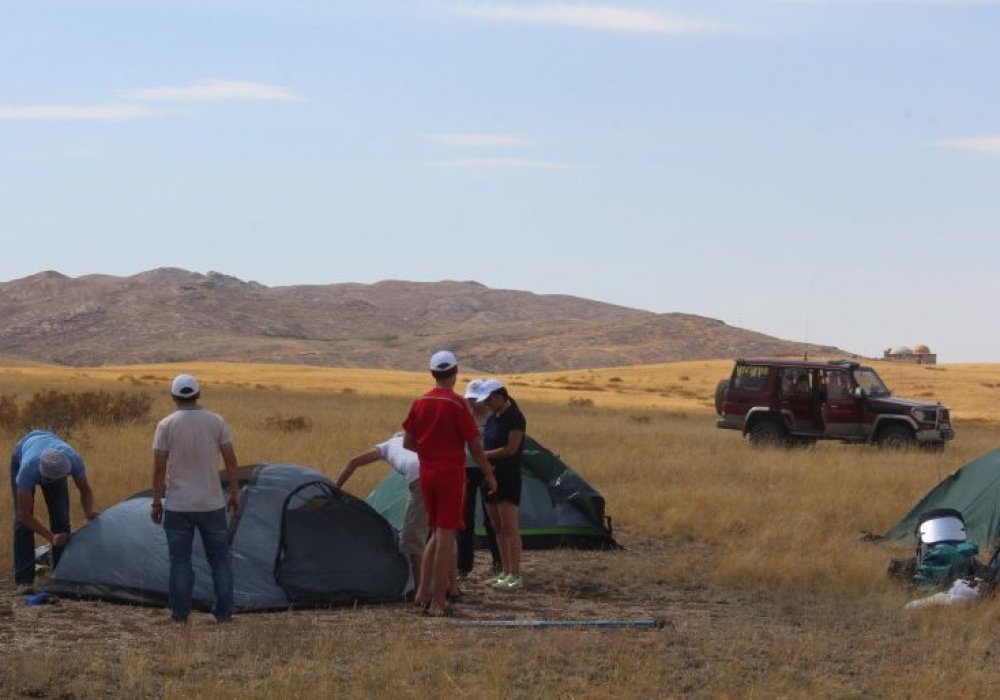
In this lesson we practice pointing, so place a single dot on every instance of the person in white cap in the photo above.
(503, 439)
(438, 428)
(473, 486)
(45, 460)
(187, 496)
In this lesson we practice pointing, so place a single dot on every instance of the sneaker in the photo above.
(496, 579)
(511, 583)
(24, 589)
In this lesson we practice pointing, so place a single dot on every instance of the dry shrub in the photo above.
(288, 424)
(580, 401)
(62, 412)
(8, 412)
(348, 390)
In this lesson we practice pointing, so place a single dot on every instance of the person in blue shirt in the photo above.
(43, 459)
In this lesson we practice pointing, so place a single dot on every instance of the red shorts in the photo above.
(444, 498)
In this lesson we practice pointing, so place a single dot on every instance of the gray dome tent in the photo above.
(298, 540)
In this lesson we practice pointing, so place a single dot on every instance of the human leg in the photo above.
(423, 594)
(466, 537)
(493, 514)
(414, 534)
(179, 529)
(443, 568)
(215, 540)
(512, 536)
(56, 496)
(24, 538)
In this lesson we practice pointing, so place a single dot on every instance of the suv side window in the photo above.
(838, 385)
(795, 381)
(750, 377)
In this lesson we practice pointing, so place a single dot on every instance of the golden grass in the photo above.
(751, 555)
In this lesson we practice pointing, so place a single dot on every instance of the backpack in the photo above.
(943, 554)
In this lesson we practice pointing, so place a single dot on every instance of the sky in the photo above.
(825, 171)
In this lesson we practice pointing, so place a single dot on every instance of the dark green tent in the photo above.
(558, 508)
(974, 491)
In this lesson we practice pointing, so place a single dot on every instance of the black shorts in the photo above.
(508, 486)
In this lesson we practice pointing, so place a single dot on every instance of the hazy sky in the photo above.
(820, 170)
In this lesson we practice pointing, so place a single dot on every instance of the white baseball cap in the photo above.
(473, 389)
(442, 361)
(185, 386)
(488, 387)
(54, 465)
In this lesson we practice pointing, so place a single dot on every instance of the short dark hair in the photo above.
(444, 373)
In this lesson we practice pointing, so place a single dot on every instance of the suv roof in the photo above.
(807, 364)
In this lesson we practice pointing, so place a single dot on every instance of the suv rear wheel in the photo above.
(767, 432)
(896, 436)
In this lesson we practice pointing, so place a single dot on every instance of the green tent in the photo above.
(974, 491)
(558, 508)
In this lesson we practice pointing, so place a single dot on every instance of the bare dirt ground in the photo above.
(712, 642)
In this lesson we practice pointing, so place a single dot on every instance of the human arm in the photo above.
(479, 454)
(26, 514)
(159, 485)
(232, 477)
(372, 455)
(514, 439)
(86, 496)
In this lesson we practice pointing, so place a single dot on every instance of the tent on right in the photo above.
(974, 491)
(558, 508)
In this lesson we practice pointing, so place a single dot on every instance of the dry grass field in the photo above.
(750, 557)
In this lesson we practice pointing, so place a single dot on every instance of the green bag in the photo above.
(944, 562)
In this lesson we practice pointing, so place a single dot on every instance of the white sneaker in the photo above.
(501, 582)
(24, 589)
(496, 579)
(512, 583)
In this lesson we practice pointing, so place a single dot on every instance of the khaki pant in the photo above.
(413, 537)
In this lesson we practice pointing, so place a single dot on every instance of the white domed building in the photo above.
(919, 354)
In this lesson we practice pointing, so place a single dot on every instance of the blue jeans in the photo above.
(179, 527)
(56, 495)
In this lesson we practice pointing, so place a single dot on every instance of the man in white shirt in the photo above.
(187, 496)
(413, 536)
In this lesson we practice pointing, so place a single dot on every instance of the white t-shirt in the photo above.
(399, 458)
(191, 438)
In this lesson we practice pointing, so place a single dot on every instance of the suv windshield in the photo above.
(870, 382)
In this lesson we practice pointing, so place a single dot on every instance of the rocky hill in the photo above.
(169, 314)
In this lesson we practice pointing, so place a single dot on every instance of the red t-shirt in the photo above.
(441, 424)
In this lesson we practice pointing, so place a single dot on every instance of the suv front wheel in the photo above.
(896, 436)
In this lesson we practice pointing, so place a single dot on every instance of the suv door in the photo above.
(842, 411)
(795, 392)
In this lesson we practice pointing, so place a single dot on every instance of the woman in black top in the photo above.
(503, 439)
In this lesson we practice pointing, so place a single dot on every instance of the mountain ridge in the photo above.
(171, 314)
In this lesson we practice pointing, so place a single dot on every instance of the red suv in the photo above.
(799, 402)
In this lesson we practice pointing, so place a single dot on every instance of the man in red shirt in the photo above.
(438, 427)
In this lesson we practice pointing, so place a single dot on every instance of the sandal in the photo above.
(448, 611)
